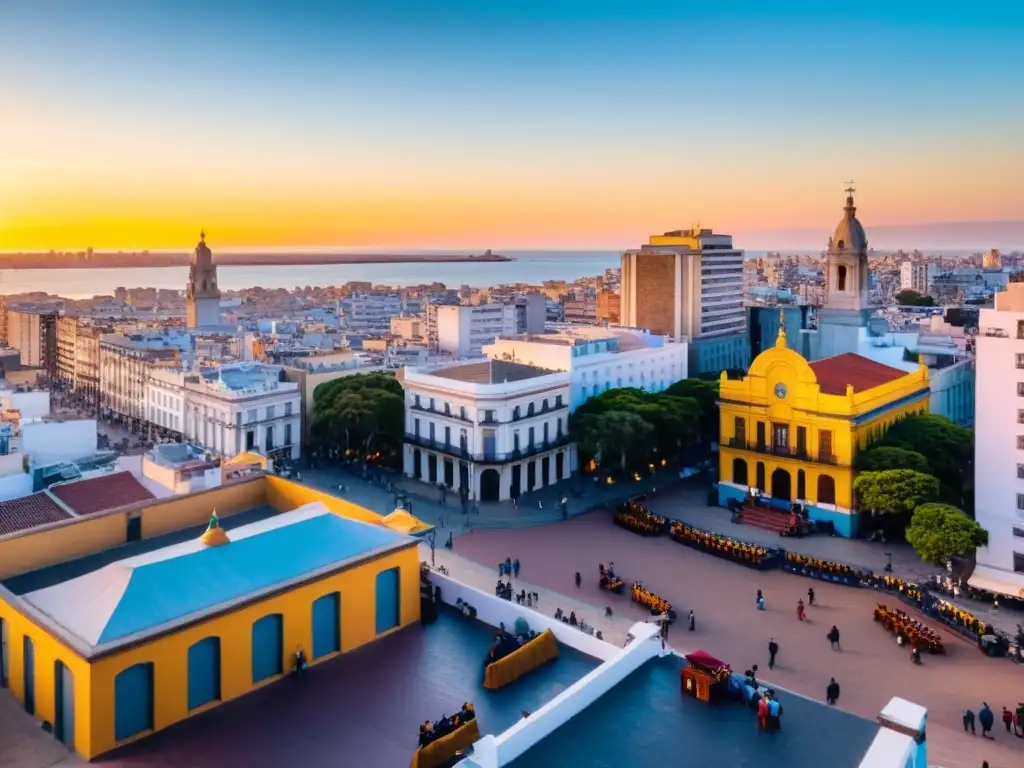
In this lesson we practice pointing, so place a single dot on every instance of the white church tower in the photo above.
(844, 318)
(202, 294)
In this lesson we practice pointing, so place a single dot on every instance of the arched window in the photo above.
(739, 471)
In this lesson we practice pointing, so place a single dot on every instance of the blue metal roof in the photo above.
(172, 589)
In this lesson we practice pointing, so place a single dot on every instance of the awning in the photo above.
(996, 581)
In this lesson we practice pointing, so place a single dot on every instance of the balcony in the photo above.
(442, 414)
(487, 457)
(799, 453)
(538, 412)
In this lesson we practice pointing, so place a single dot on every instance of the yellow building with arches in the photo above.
(121, 623)
(792, 429)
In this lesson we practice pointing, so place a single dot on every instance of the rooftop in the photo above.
(834, 374)
(420, 672)
(147, 593)
(491, 372)
(30, 511)
(86, 497)
(606, 733)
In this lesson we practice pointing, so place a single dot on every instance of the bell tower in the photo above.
(848, 275)
(202, 296)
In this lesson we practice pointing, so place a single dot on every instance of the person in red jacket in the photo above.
(1007, 719)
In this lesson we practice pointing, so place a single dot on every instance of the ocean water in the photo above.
(528, 266)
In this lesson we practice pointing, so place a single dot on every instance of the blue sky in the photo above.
(533, 123)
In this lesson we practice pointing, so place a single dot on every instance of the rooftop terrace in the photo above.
(645, 722)
(360, 709)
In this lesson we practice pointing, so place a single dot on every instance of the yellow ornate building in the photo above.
(792, 429)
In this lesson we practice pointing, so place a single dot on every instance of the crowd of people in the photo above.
(429, 733)
(825, 568)
(908, 630)
(723, 546)
(609, 580)
(962, 618)
(506, 642)
(906, 589)
(646, 598)
(636, 517)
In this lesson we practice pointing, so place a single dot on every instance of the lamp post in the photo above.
(888, 562)
(432, 538)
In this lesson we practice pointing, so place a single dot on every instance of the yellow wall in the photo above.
(180, 512)
(284, 495)
(47, 651)
(754, 399)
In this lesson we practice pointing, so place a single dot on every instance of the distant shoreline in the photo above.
(159, 260)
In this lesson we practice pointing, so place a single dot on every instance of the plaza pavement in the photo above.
(870, 669)
(24, 744)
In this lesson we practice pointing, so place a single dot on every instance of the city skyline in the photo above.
(454, 125)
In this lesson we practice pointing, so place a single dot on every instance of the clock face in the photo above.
(780, 391)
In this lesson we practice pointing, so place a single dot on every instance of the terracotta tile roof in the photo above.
(28, 512)
(835, 373)
(97, 494)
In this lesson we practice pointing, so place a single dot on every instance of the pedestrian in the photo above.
(1007, 719)
(515, 567)
(810, 595)
(501, 569)
(969, 721)
(986, 718)
(833, 638)
(832, 691)
(995, 604)
(760, 601)
(773, 650)
(508, 566)
(691, 621)
(579, 580)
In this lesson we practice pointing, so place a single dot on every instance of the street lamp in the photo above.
(888, 562)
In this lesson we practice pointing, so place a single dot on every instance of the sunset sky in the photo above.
(499, 123)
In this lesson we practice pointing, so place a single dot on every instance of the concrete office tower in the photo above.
(202, 296)
(688, 284)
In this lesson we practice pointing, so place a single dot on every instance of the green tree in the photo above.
(938, 532)
(705, 393)
(909, 298)
(364, 413)
(895, 491)
(948, 449)
(879, 458)
(615, 439)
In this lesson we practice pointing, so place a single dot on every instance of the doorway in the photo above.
(64, 704)
(490, 485)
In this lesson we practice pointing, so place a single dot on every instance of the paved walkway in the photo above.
(688, 502)
(613, 629)
(870, 668)
(23, 742)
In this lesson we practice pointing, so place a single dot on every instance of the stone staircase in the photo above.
(765, 519)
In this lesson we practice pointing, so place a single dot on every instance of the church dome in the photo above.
(849, 235)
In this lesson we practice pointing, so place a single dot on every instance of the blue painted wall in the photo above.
(204, 672)
(267, 647)
(327, 624)
(846, 524)
(133, 701)
(719, 353)
(387, 600)
(29, 665)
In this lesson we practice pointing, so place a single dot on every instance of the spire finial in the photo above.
(202, 235)
(851, 209)
(780, 340)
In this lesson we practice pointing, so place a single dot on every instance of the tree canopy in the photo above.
(938, 532)
(364, 413)
(879, 458)
(895, 491)
(948, 449)
(910, 298)
(682, 416)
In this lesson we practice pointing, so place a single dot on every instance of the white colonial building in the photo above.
(599, 359)
(999, 444)
(228, 409)
(491, 430)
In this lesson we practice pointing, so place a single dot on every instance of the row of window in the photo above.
(781, 438)
(486, 416)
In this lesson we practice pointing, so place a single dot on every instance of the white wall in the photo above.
(892, 747)
(15, 486)
(996, 453)
(51, 441)
(32, 405)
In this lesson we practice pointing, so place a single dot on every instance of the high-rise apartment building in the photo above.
(914, 276)
(688, 284)
(33, 332)
(999, 443)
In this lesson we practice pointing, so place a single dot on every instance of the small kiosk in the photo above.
(706, 678)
